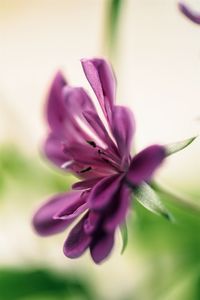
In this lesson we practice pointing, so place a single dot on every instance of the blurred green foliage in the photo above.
(22, 171)
(114, 13)
(171, 252)
(42, 284)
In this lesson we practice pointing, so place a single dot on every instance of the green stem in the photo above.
(112, 22)
(176, 198)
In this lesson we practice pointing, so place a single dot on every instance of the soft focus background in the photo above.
(155, 52)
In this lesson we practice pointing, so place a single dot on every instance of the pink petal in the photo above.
(92, 222)
(73, 208)
(43, 220)
(123, 128)
(53, 149)
(102, 80)
(118, 209)
(189, 13)
(94, 165)
(55, 105)
(77, 100)
(145, 163)
(104, 191)
(77, 241)
(96, 124)
(78, 128)
(102, 247)
(85, 184)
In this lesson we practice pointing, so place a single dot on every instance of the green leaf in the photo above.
(27, 283)
(175, 147)
(150, 200)
(124, 235)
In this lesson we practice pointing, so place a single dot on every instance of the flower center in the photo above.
(107, 156)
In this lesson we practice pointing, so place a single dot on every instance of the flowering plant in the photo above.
(97, 150)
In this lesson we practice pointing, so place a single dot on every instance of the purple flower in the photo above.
(189, 13)
(98, 153)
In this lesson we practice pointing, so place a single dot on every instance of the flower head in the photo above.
(98, 153)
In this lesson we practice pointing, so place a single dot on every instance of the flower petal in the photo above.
(85, 184)
(94, 165)
(55, 105)
(102, 80)
(56, 152)
(103, 192)
(123, 128)
(73, 208)
(83, 153)
(118, 209)
(43, 220)
(189, 13)
(145, 163)
(53, 149)
(96, 124)
(77, 241)
(92, 222)
(77, 100)
(79, 128)
(102, 246)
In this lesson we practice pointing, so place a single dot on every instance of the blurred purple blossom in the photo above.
(98, 153)
(189, 13)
